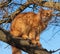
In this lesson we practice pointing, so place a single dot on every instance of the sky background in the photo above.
(45, 38)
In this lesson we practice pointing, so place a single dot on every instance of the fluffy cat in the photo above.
(29, 25)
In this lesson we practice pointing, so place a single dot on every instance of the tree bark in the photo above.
(19, 43)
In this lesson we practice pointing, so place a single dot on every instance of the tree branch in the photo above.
(54, 5)
(21, 44)
(5, 4)
(5, 21)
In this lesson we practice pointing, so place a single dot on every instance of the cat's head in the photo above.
(45, 14)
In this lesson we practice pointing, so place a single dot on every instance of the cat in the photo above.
(29, 25)
(16, 50)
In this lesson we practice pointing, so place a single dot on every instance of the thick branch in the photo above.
(54, 5)
(21, 44)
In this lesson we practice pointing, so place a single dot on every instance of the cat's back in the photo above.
(22, 18)
(25, 14)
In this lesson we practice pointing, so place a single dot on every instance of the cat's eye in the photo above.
(48, 14)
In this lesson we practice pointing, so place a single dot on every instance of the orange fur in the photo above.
(29, 25)
(16, 51)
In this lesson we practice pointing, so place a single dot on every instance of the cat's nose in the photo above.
(44, 16)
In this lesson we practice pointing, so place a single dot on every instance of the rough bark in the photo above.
(21, 44)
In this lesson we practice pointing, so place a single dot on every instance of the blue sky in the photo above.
(5, 48)
(51, 44)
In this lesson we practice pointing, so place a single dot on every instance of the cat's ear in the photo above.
(40, 12)
(41, 9)
(50, 11)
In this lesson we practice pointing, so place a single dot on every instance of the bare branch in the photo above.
(4, 4)
(21, 44)
(54, 5)
(5, 21)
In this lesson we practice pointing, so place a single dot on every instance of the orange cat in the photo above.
(29, 25)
